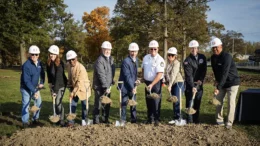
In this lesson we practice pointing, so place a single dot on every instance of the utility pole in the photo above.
(165, 30)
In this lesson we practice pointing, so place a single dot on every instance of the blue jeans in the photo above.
(26, 99)
(125, 98)
(177, 90)
(83, 108)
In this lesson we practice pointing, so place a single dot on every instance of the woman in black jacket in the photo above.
(57, 80)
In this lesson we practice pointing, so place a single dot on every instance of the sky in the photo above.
(239, 15)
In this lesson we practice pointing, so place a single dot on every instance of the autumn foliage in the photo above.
(96, 24)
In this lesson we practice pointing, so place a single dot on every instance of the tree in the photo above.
(233, 42)
(143, 20)
(215, 29)
(24, 22)
(96, 24)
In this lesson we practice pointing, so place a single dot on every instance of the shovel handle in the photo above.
(70, 105)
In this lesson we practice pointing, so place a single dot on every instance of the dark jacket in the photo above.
(128, 74)
(31, 74)
(56, 76)
(225, 70)
(104, 72)
(194, 69)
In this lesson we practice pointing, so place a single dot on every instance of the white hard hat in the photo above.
(34, 50)
(106, 45)
(71, 55)
(54, 49)
(215, 42)
(133, 47)
(172, 50)
(193, 43)
(153, 44)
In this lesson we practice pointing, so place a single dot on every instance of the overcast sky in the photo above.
(238, 15)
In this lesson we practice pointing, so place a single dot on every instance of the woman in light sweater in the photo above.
(174, 81)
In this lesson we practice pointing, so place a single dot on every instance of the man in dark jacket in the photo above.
(32, 71)
(128, 74)
(227, 81)
(195, 68)
(104, 72)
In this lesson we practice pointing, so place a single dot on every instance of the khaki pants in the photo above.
(231, 95)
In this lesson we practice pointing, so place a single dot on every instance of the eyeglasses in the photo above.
(214, 47)
(34, 54)
(171, 55)
(71, 60)
(153, 49)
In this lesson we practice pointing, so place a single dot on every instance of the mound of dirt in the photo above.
(245, 79)
(131, 134)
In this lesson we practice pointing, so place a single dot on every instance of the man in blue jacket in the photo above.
(128, 74)
(32, 71)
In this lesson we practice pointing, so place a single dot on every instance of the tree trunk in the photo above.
(23, 53)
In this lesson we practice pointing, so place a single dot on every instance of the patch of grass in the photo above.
(10, 105)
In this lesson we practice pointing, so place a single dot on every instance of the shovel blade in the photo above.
(118, 123)
(90, 122)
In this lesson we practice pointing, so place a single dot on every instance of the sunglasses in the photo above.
(153, 49)
(171, 55)
(214, 47)
(71, 60)
(34, 54)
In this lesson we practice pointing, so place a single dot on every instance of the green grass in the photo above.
(10, 105)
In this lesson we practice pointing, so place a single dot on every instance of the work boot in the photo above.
(36, 122)
(156, 123)
(25, 125)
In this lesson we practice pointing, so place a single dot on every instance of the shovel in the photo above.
(89, 122)
(214, 100)
(132, 102)
(171, 98)
(191, 110)
(71, 116)
(55, 118)
(34, 108)
(180, 121)
(118, 122)
(152, 95)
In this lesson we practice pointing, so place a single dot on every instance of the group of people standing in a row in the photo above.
(155, 72)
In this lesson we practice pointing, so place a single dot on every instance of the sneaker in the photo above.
(171, 122)
(229, 127)
(83, 123)
(148, 122)
(220, 124)
(69, 125)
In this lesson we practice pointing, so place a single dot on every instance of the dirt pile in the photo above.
(246, 80)
(131, 134)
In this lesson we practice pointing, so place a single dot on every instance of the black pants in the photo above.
(104, 107)
(153, 105)
(196, 104)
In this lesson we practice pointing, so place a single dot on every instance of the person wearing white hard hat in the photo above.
(174, 81)
(79, 84)
(153, 68)
(103, 75)
(128, 74)
(195, 68)
(32, 71)
(227, 82)
(57, 80)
